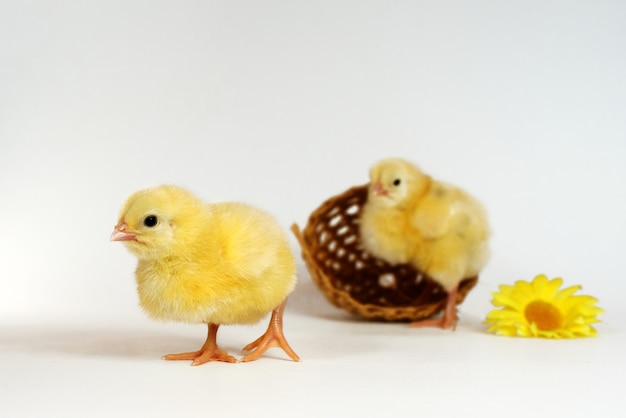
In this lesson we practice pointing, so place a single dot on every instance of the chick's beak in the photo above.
(120, 233)
(379, 189)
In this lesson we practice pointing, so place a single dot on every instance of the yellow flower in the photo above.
(540, 309)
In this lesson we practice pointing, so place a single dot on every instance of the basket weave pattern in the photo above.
(354, 280)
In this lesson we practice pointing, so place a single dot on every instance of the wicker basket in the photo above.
(356, 281)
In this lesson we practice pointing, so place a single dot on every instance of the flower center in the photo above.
(543, 314)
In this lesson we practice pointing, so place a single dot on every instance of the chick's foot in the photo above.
(208, 352)
(273, 337)
(443, 323)
(449, 318)
(201, 357)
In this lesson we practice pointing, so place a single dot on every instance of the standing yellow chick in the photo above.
(436, 227)
(219, 263)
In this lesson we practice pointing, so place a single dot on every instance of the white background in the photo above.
(283, 104)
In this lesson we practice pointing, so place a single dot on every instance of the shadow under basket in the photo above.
(354, 280)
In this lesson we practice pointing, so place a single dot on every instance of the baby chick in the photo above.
(436, 227)
(219, 263)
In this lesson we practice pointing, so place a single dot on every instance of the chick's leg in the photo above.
(449, 318)
(208, 352)
(273, 337)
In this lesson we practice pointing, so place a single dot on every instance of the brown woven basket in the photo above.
(355, 280)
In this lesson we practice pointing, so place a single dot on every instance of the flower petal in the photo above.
(552, 287)
(524, 289)
(539, 284)
(563, 294)
(500, 299)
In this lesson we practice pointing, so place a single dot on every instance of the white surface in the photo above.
(283, 104)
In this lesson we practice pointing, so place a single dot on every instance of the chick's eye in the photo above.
(397, 182)
(150, 221)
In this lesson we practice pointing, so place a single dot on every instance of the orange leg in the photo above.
(273, 337)
(449, 318)
(208, 352)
